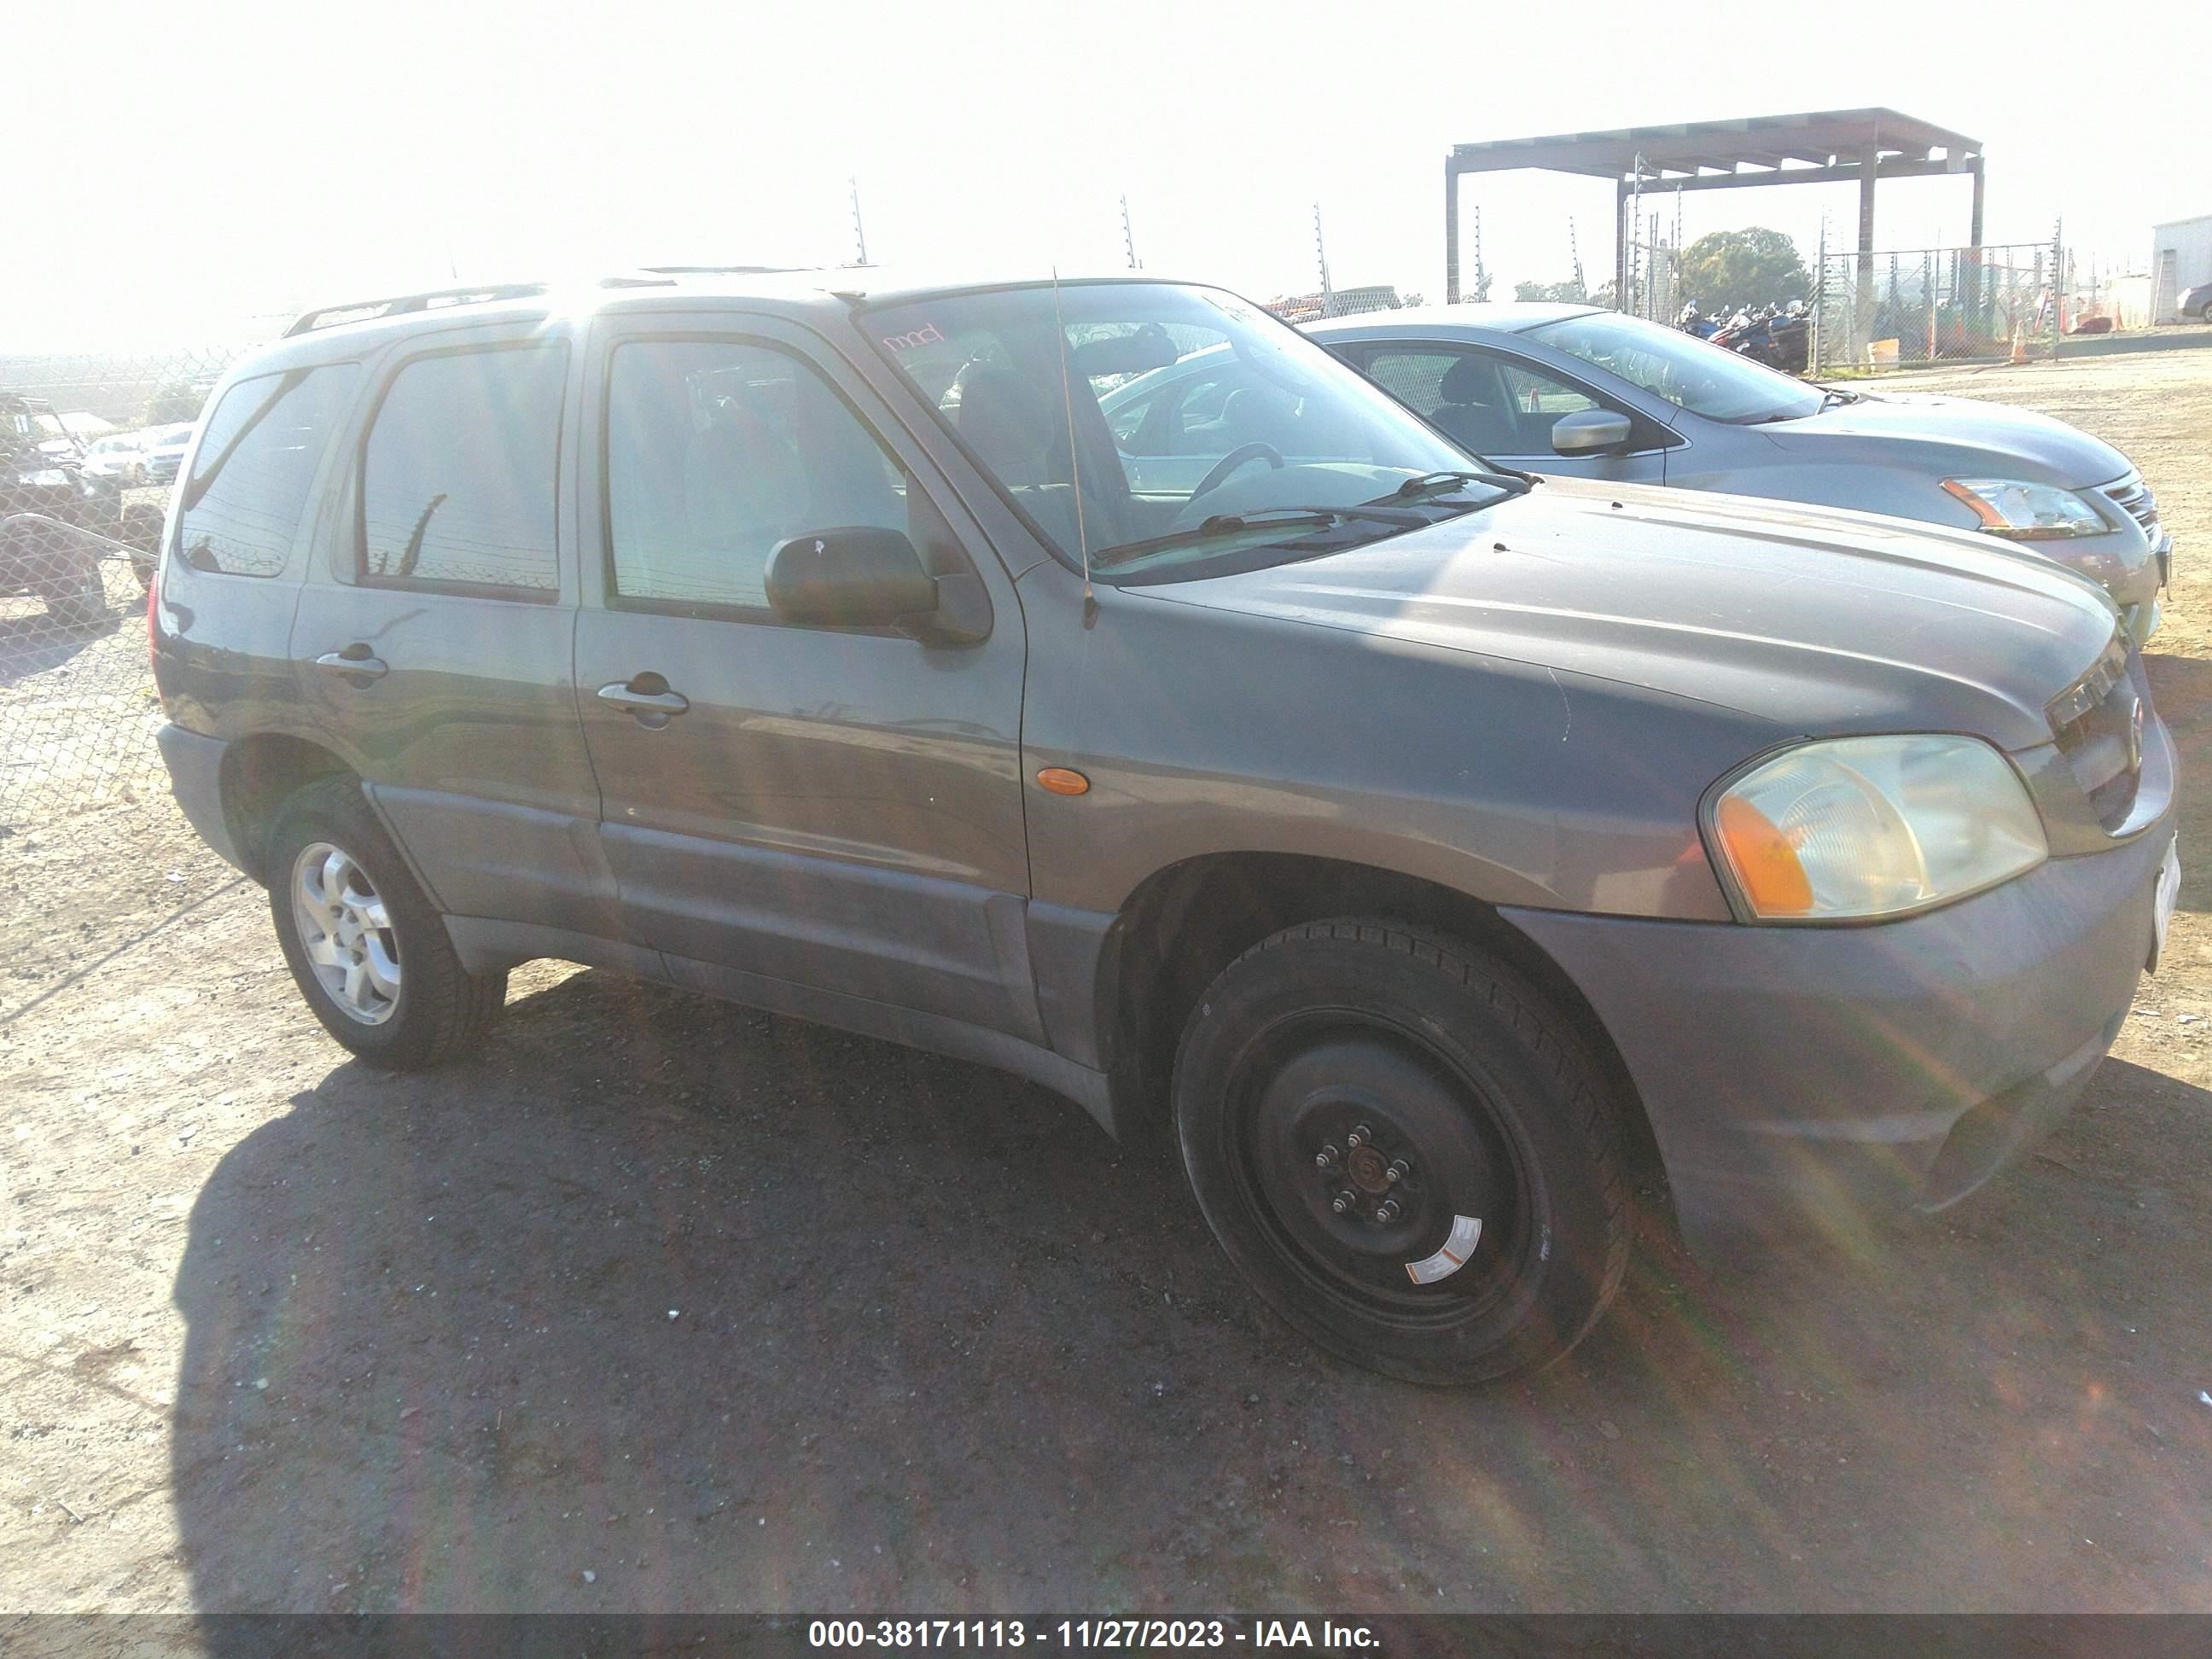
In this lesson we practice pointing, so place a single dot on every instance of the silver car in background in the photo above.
(117, 456)
(1571, 389)
(165, 448)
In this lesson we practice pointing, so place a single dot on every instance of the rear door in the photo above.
(435, 644)
(835, 809)
(1503, 407)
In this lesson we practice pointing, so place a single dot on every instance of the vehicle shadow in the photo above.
(664, 1305)
(34, 643)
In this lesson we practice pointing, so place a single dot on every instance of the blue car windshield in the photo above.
(1687, 372)
(1158, 430)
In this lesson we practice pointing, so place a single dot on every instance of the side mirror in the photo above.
(854, 576)
(1589, 431)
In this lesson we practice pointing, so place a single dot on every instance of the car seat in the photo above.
(1485, 428)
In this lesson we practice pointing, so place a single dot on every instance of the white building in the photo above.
(2180, 259)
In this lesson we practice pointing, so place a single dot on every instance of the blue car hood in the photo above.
(1955, 436)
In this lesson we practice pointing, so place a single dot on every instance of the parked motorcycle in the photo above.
(1695, 322)
(1777, 335)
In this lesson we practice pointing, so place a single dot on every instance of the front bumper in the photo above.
(1812, 1080)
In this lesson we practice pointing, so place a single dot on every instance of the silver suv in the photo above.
(1422, 847)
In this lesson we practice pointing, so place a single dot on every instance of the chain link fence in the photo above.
(89, 447)
(1339, 303)
(1924, 305)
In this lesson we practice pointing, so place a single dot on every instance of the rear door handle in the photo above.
(354, 662)
(647, 696)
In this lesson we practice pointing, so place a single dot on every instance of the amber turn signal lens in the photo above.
(1062, 782)
(1764, 860)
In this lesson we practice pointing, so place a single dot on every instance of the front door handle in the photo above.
(648, 699)
(355, 662)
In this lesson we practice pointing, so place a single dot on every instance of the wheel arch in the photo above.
(1186, 922)
(258, 773)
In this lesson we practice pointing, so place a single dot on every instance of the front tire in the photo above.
(1406, 1149)
(365, 947)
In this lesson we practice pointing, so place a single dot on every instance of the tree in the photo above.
(1570, 292)
(173, 401)
(1723, 270)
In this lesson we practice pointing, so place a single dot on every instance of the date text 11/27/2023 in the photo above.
(1085, 1634)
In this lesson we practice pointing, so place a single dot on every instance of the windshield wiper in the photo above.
(1830, 395)
(1511, 479)
(1264, 518)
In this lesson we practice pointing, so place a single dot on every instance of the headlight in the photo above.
(2028, 511)
(46, 477)
(1854, 828)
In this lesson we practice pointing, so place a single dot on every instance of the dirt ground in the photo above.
(661, 1304)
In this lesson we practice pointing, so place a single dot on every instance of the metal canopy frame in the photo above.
(1822, 147)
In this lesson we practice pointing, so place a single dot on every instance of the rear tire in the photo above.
(1350, 1094)
(70, 585)
(367, 948)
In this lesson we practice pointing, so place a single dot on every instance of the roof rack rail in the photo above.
(719, 271)
(361, 311)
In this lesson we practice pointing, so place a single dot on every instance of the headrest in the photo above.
(1465, 381)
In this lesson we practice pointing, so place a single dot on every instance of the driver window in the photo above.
(1540, 398)
(717, 451)
(1460, 393)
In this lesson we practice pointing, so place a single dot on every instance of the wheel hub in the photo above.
(1367, 1169)
(1370, 1156)
(346, 932)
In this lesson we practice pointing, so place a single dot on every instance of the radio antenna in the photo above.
(1074, 459)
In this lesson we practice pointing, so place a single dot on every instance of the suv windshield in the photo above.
(1685, 371)
(1166, 429)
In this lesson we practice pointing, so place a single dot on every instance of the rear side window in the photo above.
(719, 450)
(249, 483)
(459, 473)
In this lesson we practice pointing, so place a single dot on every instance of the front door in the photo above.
(835, 809)
(1504, 407)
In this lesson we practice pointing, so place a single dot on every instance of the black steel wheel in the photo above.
(1406, 1149)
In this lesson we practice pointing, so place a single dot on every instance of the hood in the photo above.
(1822, 621)
(1962, 437)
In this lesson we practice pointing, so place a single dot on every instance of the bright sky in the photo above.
(179, 168)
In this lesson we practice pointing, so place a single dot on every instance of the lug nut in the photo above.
(1359, 1136)
(1396, 1171)
(1387, 1210)
(1324, 1158)
(1342, 1202)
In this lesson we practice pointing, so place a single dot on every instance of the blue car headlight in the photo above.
(2023, 511)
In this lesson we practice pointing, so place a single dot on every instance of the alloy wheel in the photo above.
(346, 932)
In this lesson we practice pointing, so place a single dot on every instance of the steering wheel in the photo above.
(1236, 458)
